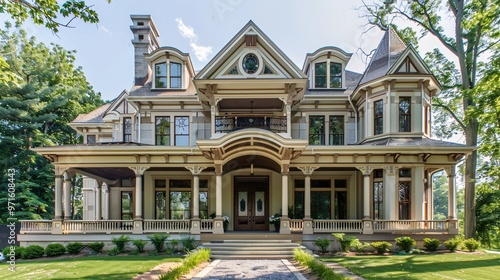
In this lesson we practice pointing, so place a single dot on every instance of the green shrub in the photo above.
(113, 252)
(188, 243)
(191, 261)
(18, 251)
(158, 240)
(96, 247)
(360, 247)
(140, 245)
(172, 246)
(471, 244)
(56, 249)
(345, 241)
(306, 259)
(405, 243)
(431, 244)
(452, 243)
(120, 242)
(33, 252)
(74, 247)
(381, 247)
(322, 244)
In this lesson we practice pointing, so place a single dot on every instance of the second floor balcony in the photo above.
(272, 123)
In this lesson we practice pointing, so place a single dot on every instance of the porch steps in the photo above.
(252, 249)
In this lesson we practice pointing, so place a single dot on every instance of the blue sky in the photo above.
(203, 27)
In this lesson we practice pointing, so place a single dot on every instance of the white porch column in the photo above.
(452, 193)
(58, 197)
(212, 121)
(390, 195)
(218, 222)
(138, 218)
(98, 201)
(307, 170)
(67, 197)
(195, 220)
(367, 199)
(106, 201)
(289, 120)
(418, 193)
(285, 220)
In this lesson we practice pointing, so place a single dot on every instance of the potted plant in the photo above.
(275, 220)
(225, 222)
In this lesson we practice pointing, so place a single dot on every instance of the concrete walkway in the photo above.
(250, 269)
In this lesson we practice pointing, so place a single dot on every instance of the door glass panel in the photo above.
(242, 203)
(127, 213)
(259, 204)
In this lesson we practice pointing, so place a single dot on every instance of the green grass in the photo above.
(92, 267)
(430, 266)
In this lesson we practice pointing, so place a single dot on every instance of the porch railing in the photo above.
(101, 226)
(167, 226)
(337, 226)
(410, 226)
(273, 123)
(296, 225)
(207, 225)
(38, 226)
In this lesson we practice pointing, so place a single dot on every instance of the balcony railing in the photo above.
(228, 124)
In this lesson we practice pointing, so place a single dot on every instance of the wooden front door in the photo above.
(251, 203)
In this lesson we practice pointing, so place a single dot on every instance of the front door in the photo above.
(251, 195)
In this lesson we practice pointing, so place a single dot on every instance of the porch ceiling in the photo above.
(108, 173)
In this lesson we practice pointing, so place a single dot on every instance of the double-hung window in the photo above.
(378, 117)
(162, 131)
(327, 75)
(181, 131)
(405, 114)
(316, 130)
(168, 79)
(336, 130)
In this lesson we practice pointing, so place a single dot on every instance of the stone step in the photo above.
(252, 249)
(253, 256)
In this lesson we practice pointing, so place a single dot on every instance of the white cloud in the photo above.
(201, 52)
(186, 31)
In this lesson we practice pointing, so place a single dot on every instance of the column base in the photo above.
(452, 226)
(367, 226)
(308, 226)
(57, 225)
(218, 226)
(138, 226)
(195, 226)
(285, 226)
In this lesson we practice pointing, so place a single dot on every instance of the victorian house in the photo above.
(252, 135)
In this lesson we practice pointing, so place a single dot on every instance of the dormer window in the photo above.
(168, 79)
(327, 71)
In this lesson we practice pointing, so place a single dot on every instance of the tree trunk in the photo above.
(470, 181)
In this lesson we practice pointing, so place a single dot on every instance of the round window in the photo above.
(250, 63)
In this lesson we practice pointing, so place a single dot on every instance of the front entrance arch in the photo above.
(251, 203)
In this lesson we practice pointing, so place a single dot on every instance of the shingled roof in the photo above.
(95, 116)
(388, 51)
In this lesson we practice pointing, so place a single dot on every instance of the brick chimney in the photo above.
(145, 41)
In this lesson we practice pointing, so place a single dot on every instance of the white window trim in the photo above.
(328, 62)
(168, 62)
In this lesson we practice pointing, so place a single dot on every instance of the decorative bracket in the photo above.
(196, 170)
(365, 169)
(139, 169)
(307, 170)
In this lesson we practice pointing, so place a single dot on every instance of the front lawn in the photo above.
(92, 267)
(428, 266)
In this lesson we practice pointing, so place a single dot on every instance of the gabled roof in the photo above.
(388, 52)
(95, 116)
(235, 43)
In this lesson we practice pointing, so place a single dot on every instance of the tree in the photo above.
(475, 23)
(45, 92)
(49, 12)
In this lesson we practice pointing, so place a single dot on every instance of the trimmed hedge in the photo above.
(55, 249)
(33, 252)
(96, 247)
(18, 250)
(74, 247)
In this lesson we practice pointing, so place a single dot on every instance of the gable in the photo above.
(229, 63)
(409, 63)
(119, 106)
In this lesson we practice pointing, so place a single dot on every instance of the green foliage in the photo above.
(96, 247)
(44, 92)
(158, 240)
(488, 213)
(471, 244)
(33, 252)
(55, 249)
(452, 243)
(322, 244)
(18, 251)
(345, 241)
(114, 251)
(381, 247)
(74, 247)
(360, 247)
(120, 242)
(431, 244)
(405, 243)
(189, 243)
(306, 259)
(172, 246)
(49, 13)
(140, 245)
(190, 262)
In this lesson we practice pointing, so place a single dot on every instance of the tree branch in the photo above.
(451, 113)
